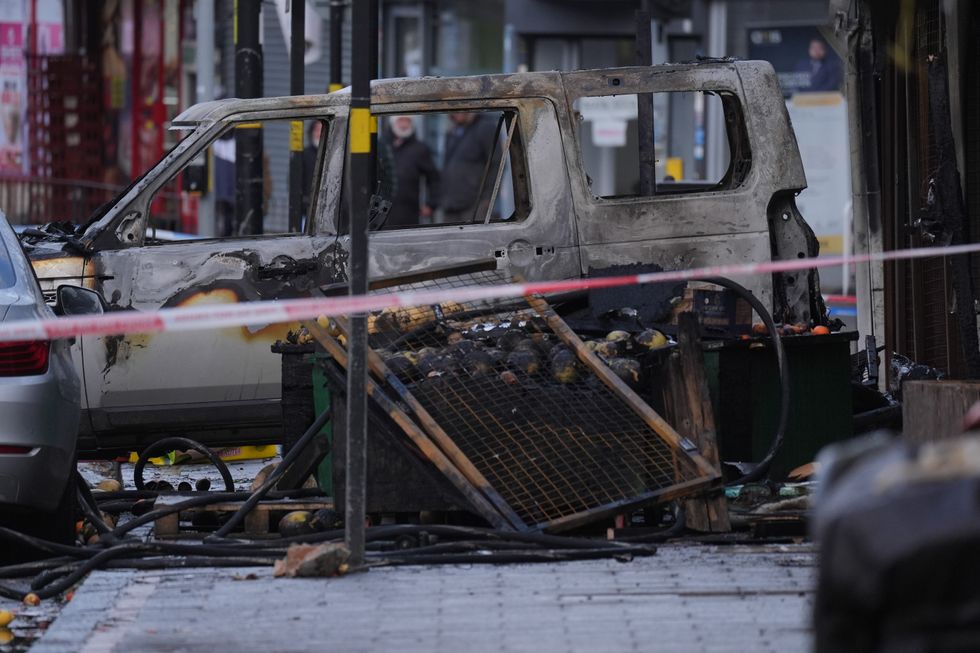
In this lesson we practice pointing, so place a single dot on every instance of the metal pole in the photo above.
(248, 138)
(297, 52)
(204, 60)
(645, 133)
(336, 44)
(717, 137)
(372, 43)
(360, 184)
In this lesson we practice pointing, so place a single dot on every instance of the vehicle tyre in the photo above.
(57, 525)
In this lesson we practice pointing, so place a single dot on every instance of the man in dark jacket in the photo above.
(824, 68)
(469, 143)
(413, 165)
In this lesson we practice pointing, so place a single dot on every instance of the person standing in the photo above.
(824, 68)
(413, 166)
(469, 143)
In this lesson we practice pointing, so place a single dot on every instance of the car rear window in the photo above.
(7, 277)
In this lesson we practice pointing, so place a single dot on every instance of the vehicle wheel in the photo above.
(57, 525)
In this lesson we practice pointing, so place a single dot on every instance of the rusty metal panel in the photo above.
(524, 406)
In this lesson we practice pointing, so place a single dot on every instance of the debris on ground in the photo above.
(309, 560)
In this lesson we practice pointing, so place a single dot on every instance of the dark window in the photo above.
(464, 167)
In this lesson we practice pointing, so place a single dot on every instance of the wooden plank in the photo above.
(934, 410)
(657, 423)
(256, 521)
(225, 506)
(418, 437)
(167, 526)
(693, 405)
(439, 435)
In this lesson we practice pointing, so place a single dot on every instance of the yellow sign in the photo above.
(296, 136)
(360, 130)
(831, 244)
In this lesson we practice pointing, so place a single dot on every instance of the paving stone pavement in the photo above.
(686, 598)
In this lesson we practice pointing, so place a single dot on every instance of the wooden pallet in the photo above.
(256, 522)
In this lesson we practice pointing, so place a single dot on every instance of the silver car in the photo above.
(40, 397)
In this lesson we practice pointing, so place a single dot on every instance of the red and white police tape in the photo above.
(292, 310)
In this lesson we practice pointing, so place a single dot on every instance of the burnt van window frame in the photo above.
(739, 147)
(519, 167)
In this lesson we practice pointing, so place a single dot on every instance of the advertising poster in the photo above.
(811, 76)
(13, 87)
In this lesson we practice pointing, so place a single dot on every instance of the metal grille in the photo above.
(555, 442)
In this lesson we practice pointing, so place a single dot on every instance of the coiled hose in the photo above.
(762, 468)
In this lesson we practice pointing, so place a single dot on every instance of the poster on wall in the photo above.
(50, 26)
(803, 60)
(13, 87)
(811, 76)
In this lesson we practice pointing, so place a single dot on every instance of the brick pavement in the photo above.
(686, 598)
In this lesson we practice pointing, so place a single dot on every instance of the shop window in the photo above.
(684, 161)
(459, 168)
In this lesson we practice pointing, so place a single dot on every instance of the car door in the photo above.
(219, 384)
(538, 241)
(722, 157)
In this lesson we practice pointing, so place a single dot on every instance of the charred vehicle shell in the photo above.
(223, 386)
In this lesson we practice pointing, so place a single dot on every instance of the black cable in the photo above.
(33, 567)
(11, 593)
(167, 444)
(85, 568)
(762, 468)
(89, 507)
(295, 452)
(44, 545)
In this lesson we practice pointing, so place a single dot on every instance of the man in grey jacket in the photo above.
(469, 143)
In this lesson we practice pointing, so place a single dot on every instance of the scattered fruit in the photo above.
(32, 599)
(508, 377)
(760, 329)
(564, 368)
(651, 339)
(324, 519)
(509, 340)
(478, 363)
(6, 616)
(618, 336)
(608, 349)
(296, 523)
(523, 361)
(626, 369)
(5, 636)
(108, 485)
(820, 330)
